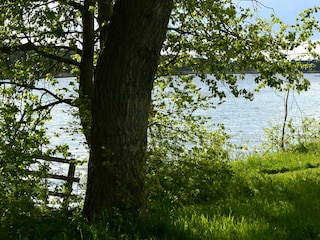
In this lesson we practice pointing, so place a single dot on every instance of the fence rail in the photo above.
(69, 179)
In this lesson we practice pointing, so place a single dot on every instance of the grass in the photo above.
(271, 196)
(264, 202)
(279, 162)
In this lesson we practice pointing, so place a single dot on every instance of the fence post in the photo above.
(69, 183)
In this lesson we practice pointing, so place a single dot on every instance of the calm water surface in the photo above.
(244, 120)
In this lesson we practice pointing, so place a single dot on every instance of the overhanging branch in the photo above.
(32, 47)
(46, 106)
(73, 4)
(55, 96)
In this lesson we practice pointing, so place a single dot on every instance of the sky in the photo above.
(287, 10)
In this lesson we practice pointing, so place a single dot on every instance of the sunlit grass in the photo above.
(276, 196)
(279, 206)
(279, 162)
(271, 196)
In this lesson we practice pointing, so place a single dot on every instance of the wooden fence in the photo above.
(69, 179)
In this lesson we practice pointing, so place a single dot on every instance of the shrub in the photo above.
(303, 137)
(199, 175)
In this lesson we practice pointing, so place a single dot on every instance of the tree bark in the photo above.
(86, 69)
(105, 8)
(122, 92)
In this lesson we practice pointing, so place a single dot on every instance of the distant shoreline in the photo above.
(186, 72)
(180, 72)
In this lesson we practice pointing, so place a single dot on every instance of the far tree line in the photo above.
(66, 71)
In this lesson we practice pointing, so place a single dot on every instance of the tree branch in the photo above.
(55, 96)
(31, 47)
(57, 58)
(43, 107)
(180, 31)
(73, 4)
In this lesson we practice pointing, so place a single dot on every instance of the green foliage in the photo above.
(177, 123)
(187, 157)
(23, 135)
(198, 179)
(305, 138)
(219, 38)
(40, 224)
(22, 138)
(299, 137)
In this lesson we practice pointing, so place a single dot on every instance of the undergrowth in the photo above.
(259, 202)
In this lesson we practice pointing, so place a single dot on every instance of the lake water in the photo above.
(244, 120)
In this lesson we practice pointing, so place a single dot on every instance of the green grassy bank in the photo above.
(271, 196)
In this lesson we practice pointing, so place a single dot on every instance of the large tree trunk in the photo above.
(86, 69)
(122, 92)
